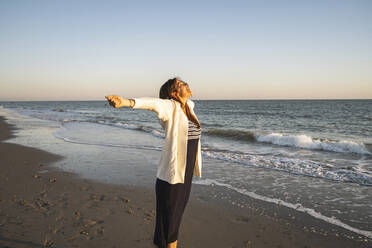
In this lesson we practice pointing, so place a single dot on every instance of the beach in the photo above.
(43, 206)
(94, 98)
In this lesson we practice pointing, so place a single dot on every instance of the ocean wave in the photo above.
(368, 146)
(295, 166)
(299, 166)
(59, 110)
(233, 134)
(78, 111)
(300, 141)
(145, 129)
(86, 111)
(298, 207)
(307, 142)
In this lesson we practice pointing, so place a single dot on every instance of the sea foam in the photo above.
(307, 142)
(300, 140)
(294, 166)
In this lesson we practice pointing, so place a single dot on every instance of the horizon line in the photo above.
(250, 99)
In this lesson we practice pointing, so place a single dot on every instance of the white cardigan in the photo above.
(172, 164)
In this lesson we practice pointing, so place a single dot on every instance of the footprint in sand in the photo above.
(242, 219)
(60, 218)
(122, 198)
(52, 180)
(84, 188)
(92, 222)
(97, 197)
(48, 243)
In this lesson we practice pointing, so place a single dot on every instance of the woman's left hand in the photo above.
(115, 101)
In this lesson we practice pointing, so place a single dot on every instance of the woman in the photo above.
(180, 158)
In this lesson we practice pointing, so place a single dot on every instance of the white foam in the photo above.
(295, 166)
(304, 141)
(126, 125)
(85, 111)
(297, 206)
(149, 130)
(157, 133)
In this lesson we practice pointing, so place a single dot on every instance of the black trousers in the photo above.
(171, 200)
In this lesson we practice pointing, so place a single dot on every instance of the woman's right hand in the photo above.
(115, 101)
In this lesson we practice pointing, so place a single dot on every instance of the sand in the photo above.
(43, 206)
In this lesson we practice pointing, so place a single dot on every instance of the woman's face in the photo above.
(183, 89)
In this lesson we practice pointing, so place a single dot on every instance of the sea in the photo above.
(314, 156)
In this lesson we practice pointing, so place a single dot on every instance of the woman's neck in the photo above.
(182, 100)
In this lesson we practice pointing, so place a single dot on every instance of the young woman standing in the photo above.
(180, 158)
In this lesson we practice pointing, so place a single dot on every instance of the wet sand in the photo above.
(42, 206)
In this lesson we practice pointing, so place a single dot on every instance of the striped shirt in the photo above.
(194, 132)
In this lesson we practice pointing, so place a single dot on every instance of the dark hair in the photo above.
(165, 93)
(166, 89)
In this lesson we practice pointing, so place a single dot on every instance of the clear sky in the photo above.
(84, 50)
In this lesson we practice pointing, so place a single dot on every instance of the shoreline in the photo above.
(54, 208)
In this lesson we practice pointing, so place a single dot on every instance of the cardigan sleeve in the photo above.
(162, 107)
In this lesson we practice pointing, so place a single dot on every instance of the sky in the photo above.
(84, 50)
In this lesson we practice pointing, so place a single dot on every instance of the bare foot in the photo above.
(173, 245)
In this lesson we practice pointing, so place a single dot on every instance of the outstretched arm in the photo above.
(162, 107)
(118, 101)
